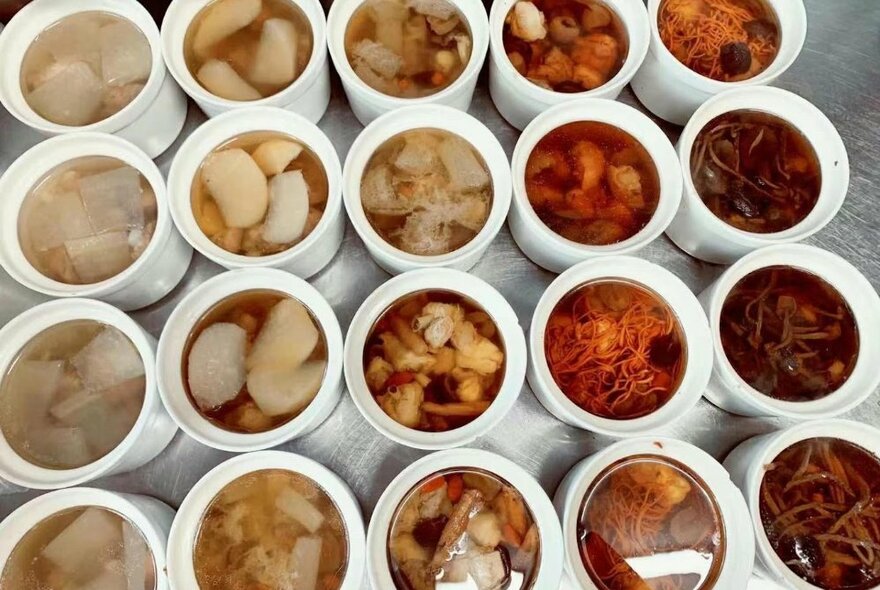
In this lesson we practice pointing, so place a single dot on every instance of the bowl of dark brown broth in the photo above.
(761, 166)
(790, 329)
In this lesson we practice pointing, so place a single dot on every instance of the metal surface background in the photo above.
(839, 71)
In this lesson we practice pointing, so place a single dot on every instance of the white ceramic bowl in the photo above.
(152, 121)
(149, 278)
(368, 103)
(545, 247)
(454, 281)
(700, 233)
(672, 91)
(191, 308)
(739, 553)
(308, 95)
(444, 118)
(729, 391)
(747, 465)
(550, 555)
(519, 101)
(148, 515)
(181, 542)
(694, 327)
(153, 429)
(303, 259)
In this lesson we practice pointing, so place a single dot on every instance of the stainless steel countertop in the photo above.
(839, 71)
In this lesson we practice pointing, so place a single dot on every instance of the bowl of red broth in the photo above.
(761, 166)
(811, 490)
(619, 346)
(653, 513)
(789, 330)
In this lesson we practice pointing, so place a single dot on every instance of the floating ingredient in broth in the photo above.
(592, 183)
(726, 40)
(820, 507)
(565, 45)
(408, 48)
(650, 509)
(434, 361)
(271, 529)
(254, 361)
(259, 194)
(615, 349)
(71, 395)
(245, 50)
(464, 528)
(426, 192)
(755, 171)
(789, 334)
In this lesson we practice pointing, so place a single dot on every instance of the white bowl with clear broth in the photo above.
(152, 119)
(148, 436)
(157, 269)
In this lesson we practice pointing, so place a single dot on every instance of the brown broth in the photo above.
(818, 505)
(755, 171)
(592, 183)
(651, 507)
(580, 46)
(422, 365)
(615, 349)
(487, 523)
(789, 334)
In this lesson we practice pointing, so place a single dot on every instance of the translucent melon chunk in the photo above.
(218, 77)
(112, 577)
(112, 199)
(57, 218)
(238, 186)
(379, 58)
(275, 61)
(125, 54)
(77, 547)
(215, 366)
(223, 19)
(59, 447)
(287, 339)
(33, 385)
(97, 258)
(74, 39)
(280, 391)
(465, 170)
(305, 561)
(288, 208)
(275, 155)
(109, 359)
(136, 555)
(71, 97)
(297, 507)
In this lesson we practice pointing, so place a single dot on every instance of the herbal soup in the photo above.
(648, 523)
(426, 192)
(87, 547)
(565, 45)
(615, 349)
(271, 529)
(434, 361)
(592, 183)
(87, 220)
(254, 361)
(85, 68)
(464, 528)
(408, 48)
(246, 50)
(789, 334)
(259, 194)
(755, 171)
(72, 394)
(726, 40)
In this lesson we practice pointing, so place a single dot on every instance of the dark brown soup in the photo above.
(755, 171)
(820, 507)
(592, 183)
(789, 334)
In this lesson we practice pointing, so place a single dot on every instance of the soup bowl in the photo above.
(747, 465)
(151, 432)
(729, 391)
(308, 95)
(368, 103)
(700, 233)
(672, 91)
(435, 117)
(152, 121)
(303, 259)
(184, 532)
(547, 248)
(695, 336)
(456, 283)
(550, 560)
(738, 555)
(185, 317)
(519, 100)
(149, 278)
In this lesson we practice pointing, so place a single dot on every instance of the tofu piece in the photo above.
(216, 365)
(238, 186)
(92, 534)
(275, 155)
(280, 391)
(297, 507)
(218, 77)
(288, 208)
(223, 19)
(275, 60)
(288, 337)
